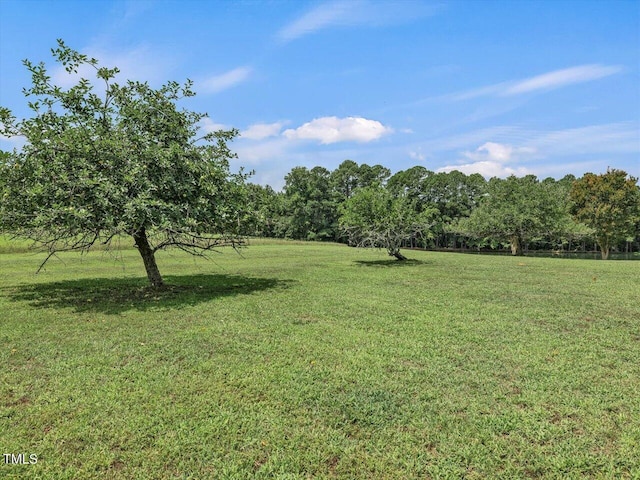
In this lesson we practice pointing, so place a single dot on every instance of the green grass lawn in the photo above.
(8, 245)
(320, 361)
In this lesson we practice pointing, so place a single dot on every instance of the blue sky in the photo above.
(497, 87)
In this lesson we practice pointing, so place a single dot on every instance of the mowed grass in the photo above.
(320, 361)
(8, 245)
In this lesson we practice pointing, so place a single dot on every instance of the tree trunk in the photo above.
(604, 250)
(395, 252)
(516, 246)
(148, 258)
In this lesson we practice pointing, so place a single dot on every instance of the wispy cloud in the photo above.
(220, 82)
(605, 139)
(471, 139)
(333, 129)
(134, 9)
(544, 82)
(322, 16)
(561, 78)
(349, 13)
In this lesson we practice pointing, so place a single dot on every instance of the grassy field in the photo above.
(320, 361)
(8, 245)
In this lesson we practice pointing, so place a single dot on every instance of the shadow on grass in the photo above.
(113, 295)
(409, 262)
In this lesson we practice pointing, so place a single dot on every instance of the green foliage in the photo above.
(310, 209)
(305, 360)
(349, 176)
(372, 175)
(465, 210)
(344, 179)
(453, 194)
(126, 160)
(263, 213)
(609, 204)
(309, 205)
(373, 217)
(517, 210)
(409, 182)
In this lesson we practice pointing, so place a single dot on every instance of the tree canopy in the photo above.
(310, 209)
(516, 210)
(608, 203)
(123, 159)
(373, 217)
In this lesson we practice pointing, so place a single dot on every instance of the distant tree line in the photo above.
(449, 210)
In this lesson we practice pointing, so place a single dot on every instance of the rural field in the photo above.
(308, 360)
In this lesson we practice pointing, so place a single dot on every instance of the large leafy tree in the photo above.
(455, 195)
(310, 209)
(124, 159)
(264, 212)
(350, 176)
(515, 210)
(408, 181)
(372, 175)
(374, 217)
(609, 204)
(345, 179)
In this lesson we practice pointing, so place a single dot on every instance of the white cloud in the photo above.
(346, 13)
(497, 152)
(487, 169)
(544, 82)
(477, 92)
(269, 150)
(218, 83)
(561, 78)
(136, 9)
(261, 131)
(334, 13)
(490, 160)
(209, 126)
(333, 129)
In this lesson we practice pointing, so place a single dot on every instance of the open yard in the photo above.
(319, 361)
